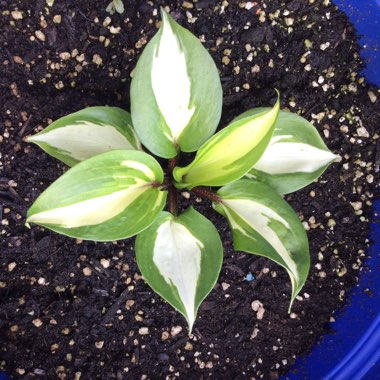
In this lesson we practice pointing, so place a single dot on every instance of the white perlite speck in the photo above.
(143, 331)
(254, 333)
(258, 307)
(372, 97)
(362, 132)
(324, 46)
(175, 330)
(17, 15)
(255, 305)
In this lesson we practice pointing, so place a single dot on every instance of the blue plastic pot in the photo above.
(353, 351)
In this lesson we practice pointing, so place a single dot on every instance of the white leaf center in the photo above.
(283, 157)
(84, 140)
(177, 255)
(259, 217)
(92, 211)
(171, 83)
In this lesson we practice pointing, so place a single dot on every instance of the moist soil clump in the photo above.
(74, 309)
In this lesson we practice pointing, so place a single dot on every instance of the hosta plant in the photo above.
(116, 189)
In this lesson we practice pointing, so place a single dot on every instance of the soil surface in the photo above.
(80, 310)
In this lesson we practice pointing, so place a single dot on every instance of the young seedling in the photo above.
(116, 190)
(115, 6)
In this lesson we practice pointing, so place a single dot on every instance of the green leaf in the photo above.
(108, 197)
(264, 224)
(119, 6)
(115, 5)
(180, 258)
(176, 95)
(295, 156)
(111, 8)
(86, 133)
(231, 153)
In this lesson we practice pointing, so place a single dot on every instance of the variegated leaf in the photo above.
(108, 197)
(176, 95)
(295, 156)
(86, 133)
(264, 224)
(230, 154)
(180, 258)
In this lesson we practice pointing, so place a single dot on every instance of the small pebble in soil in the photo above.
(40, 35)
(37, 322)
(57, 19)
(97, 59)
(254, 333)
(54, 347)
(175, 330)
(143, 330)
(105, 263)
(42, 281)
(17, 15)
(258, 307)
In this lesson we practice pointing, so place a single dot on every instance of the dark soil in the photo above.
(72, 309)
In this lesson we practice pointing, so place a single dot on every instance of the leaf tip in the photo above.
(277, 104)
(190, 324)
(164, 14)
(291, 303)
(31, 219)
(30, 139)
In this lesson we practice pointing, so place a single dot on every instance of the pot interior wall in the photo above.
(353, 350)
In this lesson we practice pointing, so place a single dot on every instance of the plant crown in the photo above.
(116, 190)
